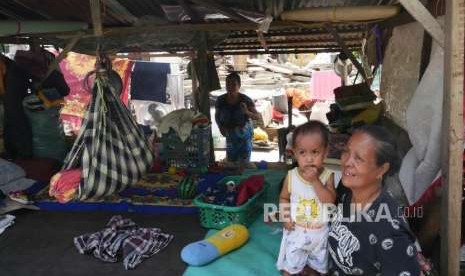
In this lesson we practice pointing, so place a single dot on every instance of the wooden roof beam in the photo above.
(426, 19)
(315, 46)
(292, 39)
(277, 51)
(124, 31)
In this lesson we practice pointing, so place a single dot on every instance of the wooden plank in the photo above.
(124, 31)
(262, 40)
(452, 141)
(346, 51)
(195, 99)
(401, 19)
(94, 6)
(422, 15)
(302, 42)
(280, 51)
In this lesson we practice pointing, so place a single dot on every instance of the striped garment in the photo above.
(136, 243)
(110, 148)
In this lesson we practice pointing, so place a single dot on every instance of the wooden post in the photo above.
(422, 15)
(96, 14)
(195, 102)
(452, 150)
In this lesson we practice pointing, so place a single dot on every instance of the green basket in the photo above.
(218, 217)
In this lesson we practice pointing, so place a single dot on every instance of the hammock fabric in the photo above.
(110, 149)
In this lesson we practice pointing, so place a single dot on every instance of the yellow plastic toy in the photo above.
(202, 252)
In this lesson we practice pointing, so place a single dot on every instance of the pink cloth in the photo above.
(74, 68)
(64, 184)
(323, 83)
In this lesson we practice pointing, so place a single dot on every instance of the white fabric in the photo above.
(12, 177)
(301, 247)
(180, 121)
(175, 88)
(306, 207)
(142, 111)
(424, 122)
(265, 109)
(6, 221)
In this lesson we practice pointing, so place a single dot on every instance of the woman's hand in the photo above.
(244, 108)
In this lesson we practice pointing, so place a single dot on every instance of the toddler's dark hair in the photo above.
(311, 127)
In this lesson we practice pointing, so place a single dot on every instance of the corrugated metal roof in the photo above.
(183, 14)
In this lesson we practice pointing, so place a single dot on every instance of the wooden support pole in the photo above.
(68, 47)
(94, 6)
(346, 51)
(422, 15)
(452, 144)
(195, 99)
(262, 40)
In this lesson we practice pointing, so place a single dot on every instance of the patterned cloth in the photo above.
(378, 242)
(239, 143)
(136, 243)
(111, 150)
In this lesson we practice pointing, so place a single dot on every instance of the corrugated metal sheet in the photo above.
(127, 13)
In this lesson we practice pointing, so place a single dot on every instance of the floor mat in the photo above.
(257, 257)
(154, 193)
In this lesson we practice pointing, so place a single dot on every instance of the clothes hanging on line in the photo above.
(148, 81)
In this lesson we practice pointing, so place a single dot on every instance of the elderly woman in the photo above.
(374, 239)
(233, 115)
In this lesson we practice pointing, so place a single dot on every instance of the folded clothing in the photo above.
(63, 185)
(233, 194)
(248, 188)
(12, 178)
(221, 194)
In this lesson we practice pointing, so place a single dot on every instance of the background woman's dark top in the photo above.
(231, 115)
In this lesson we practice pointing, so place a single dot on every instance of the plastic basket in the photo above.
(192, 153)
(218, 217)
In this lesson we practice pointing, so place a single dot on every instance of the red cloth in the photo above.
(248, 188)
(278, 116)
(64, 184)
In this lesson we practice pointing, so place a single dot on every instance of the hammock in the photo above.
(110, 149)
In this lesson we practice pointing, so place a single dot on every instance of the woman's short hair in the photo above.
(235, 77)
(311, 127)
(386, 147)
